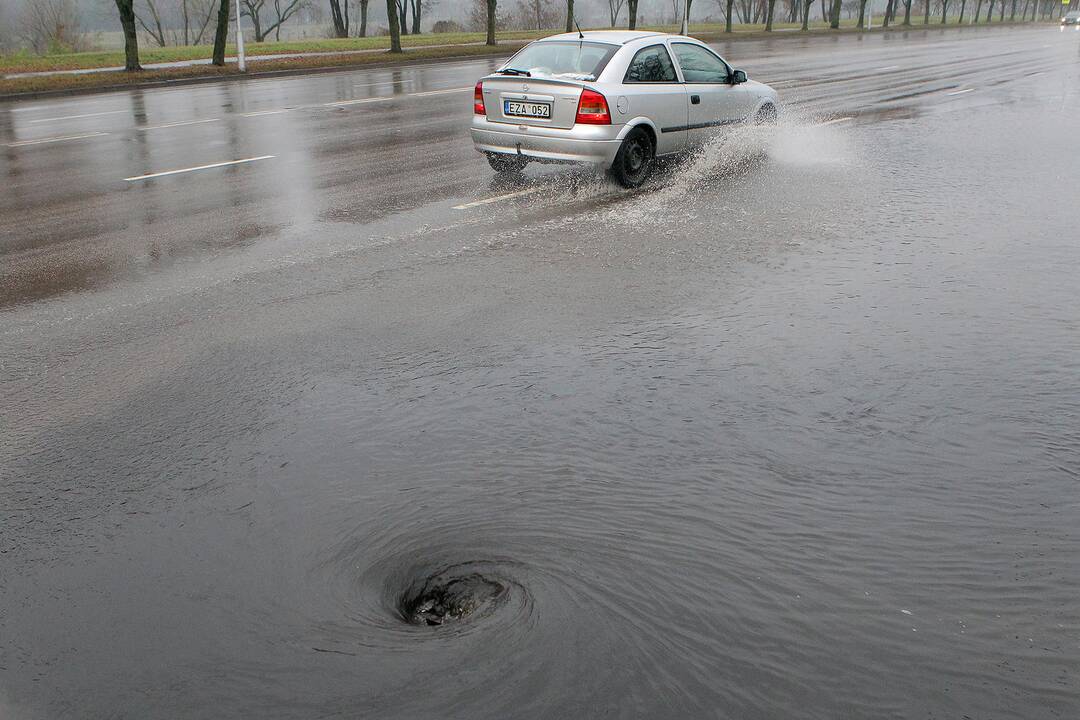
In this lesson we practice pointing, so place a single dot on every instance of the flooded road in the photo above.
(358, 431)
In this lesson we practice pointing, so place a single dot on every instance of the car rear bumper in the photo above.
(595, 144)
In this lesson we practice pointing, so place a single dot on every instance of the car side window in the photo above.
(651, 65)
(699, 65)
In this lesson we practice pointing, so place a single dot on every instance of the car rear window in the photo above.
(572, 60)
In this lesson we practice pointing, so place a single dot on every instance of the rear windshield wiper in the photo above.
(513, 71)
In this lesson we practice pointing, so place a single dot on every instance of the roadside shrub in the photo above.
(447, 26)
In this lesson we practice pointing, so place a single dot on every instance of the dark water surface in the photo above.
(793, 434)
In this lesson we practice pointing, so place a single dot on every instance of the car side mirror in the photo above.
(738, 77)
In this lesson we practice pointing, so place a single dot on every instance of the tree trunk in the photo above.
(944, 11)
(888, 10)
(417, 12)
(403, 16)
(834, 15)
(131, 38)
(570, 16)
(631, 9)
(769, 15)
(990, 12)
(363, 18)
(221, 34)
(341, 20)
(806, 13)
(926, 13)
(907, 13)
(256, 24)
(978, 11)
(727, 24)
(491, 7)
(963, 7)
(862, 13)
(395, 29)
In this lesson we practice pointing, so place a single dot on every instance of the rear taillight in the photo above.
(478, 100)
(592, 109)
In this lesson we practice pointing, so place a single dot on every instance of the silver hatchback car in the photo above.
(618, 100)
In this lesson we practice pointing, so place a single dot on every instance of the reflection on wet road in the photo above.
(359, 430)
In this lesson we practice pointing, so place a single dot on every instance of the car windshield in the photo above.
(573, 60)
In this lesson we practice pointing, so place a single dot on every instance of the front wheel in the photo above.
(504, 163)
(635, 160)
(767, 115)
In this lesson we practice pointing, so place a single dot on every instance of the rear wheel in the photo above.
(504, 163)
(634, 163)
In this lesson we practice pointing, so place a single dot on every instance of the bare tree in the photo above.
(221, 32)
(614, 8)
(283, 10)
(50, 25)
(727, 14)
(418, 8)
(362, 6)
(537, 14)
(147, 15)
(569, 15)
(492, 17)
(192, 11)
(834, 14)
(769, 15)
(131, 38)
(631, 11)
(395, 28)
(340, 16)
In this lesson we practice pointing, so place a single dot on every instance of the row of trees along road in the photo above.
(486, 13)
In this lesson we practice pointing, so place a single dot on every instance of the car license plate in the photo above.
(515, 108)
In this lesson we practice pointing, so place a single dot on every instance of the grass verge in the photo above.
(417, 48)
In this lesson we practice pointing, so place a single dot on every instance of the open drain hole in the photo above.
(447, 598)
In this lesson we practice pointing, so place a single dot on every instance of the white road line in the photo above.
(384, 98)
(834, 121)
(891, 67)
(440, 92)
(260, 113)
(176, 124)
(961, 92)
(487, 201)
(77, 117)
(200, 167)
(341, 103)
(21, 143)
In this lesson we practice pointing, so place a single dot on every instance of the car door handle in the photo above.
(695, 99)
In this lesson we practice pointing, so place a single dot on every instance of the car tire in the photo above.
(767, 115)
(506, 164)
(635, 160)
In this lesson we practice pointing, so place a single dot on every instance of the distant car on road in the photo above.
(615, 99)
(1072, 18)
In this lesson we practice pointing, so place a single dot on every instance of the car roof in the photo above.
(615, 37)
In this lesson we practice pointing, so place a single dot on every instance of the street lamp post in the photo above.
(239, 41)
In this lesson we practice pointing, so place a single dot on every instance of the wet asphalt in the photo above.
(790, 432)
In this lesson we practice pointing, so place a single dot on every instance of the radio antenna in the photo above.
(580, 34)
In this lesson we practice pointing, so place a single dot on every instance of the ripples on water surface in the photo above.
(808, 451)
